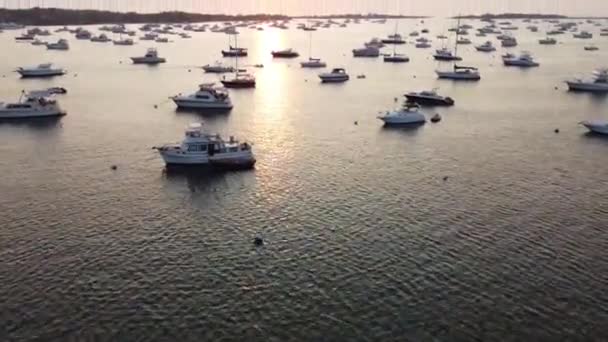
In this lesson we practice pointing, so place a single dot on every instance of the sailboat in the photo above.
(459, 72)
(234, 51)
(241, 79)
(396, 57)
(312, 62)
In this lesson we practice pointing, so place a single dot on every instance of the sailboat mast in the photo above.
(310, 46)
(457, 35)
(236, 46)
(395, 45)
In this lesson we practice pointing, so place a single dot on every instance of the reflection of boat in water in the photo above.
(201, 148)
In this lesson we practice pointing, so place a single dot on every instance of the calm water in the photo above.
(364, 239)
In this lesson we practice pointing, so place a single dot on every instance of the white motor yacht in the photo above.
(207, 97)
(201, 148)
(217, 68)
(337, 75)
(408, 114)
(31, 105)
(486, 47)
(42, 70)
(368, 51)
(547, 41)
(61, 44)
(124, 42)
(458, 73)
(598, 83)
(102, 38)
(524, 60)
(151, 57)
(600, 127)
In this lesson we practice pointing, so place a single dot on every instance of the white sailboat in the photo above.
(312, 62)
(459, 72)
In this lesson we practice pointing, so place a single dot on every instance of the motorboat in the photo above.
(583, 35)
(368, 51)
(31, 105)
(235, 52)
(463, 41)
(396, 58)
(217, 68)
(287, 53)
(445, 55)
(313, 63)
(375, 43)
(599, 127)
(42, 70)
(184, 35)
(102, 38)
(61, 44)
(524, 60)
(162, 40)
(201, 148)
(460, 73)
(423, 44)
(337, 75)
(25, 36)
(207, 97)
(38, 42)
(151, 57)
(10, 26)
(429, 97)
(414, 34)
(486, 47)
(125, 42)
(547, 41)
(598, 83)
(591, 48)
(240, 80)
(408, 114)
(149, 36)
(509, 42)
(393, 39)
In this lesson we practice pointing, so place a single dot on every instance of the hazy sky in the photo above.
(296, 7)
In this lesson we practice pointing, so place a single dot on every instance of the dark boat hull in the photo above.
(238, 85)
(430, 102)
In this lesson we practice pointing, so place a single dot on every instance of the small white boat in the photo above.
(368, 51)
(408, 114)
(151, 57)
(463, 41)
(102, 38)
(42, 70)
(425, 44)
(313, 63)
(445, 55)
(201, 148)
(184, 35)
(31, 105)
(149, 36)
(394, 39)
(83, 34)
(374, 42)
(583, 35)
(547, 41)
(600, 127)
(460, 73)
(217, 68)
(124, 42)
(337, 75)
(61, 44)
(396, 58)
(486, 47)
(509, 42)
(38, 42)
(598, 83)
(524, 60)
(207, 97)
(162, 40)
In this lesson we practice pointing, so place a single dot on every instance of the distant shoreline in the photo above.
(58, 16)
(522, 16)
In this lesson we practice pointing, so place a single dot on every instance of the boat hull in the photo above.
(430, 101)
(520, 64)
(238, 85)
(334, 79)
(587, 87)
(32, 74)
(41, 113)
(458, 76)
(393, 59)
(446, 58)
(141, 60)
(234, 54)
(190, 104)
(599, 128)
(223, 160)
(313, 64)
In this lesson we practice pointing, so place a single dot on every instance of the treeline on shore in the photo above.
(58, 16)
